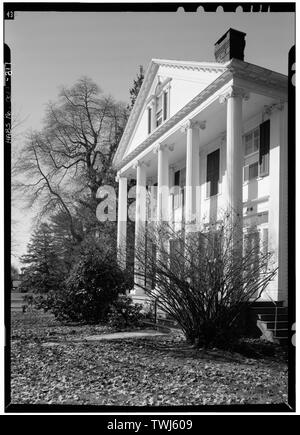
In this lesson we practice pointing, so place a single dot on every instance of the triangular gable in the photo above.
(187, 79)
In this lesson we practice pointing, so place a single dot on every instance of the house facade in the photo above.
(218, 132)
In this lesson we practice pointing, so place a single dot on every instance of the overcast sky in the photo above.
(52, 49)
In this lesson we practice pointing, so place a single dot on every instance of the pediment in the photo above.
(184, 79)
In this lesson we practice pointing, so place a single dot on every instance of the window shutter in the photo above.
(165, 105)
(149, 120)
(177, 178)
(212, 172)
(264, 148)
(177, 190)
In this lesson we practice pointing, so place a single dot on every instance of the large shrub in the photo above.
(204, 279)
(93, 284)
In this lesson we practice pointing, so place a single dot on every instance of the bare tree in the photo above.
(62, 166)
(196, 278)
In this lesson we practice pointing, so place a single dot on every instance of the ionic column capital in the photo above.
(268, 110)
(140, 164)
(119, 176)
(159, 147)
(193, 124)
(234, 92)
(162, 147)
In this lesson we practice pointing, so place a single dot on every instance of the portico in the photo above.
(203, 149)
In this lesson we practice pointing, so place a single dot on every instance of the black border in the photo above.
(184, 410)
(148, 7)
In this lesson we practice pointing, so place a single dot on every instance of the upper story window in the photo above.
(251, 141)
(159, 106)
(257, 151)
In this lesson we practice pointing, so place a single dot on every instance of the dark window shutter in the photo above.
(213, 172)
(149, 120)
(165, 105)
(177, 178)
(264, 148)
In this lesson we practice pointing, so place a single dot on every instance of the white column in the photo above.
(140, 221)
(192, 197)
(171, 185)
(234, 157)
(122, 221)
(162, 182)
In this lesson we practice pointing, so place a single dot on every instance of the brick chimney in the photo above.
(230, 45)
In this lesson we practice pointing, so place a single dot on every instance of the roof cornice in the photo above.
(258, 74)
(193, 66)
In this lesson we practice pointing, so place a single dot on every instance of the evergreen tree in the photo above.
(44, 266)
(137, 83)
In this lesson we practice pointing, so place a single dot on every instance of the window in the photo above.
(179, 182)
(257, 150)
(251, 171)
(213, 173)
(251, 251)
(159, 106)
(251, 142)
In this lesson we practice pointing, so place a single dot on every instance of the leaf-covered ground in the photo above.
(49, 366)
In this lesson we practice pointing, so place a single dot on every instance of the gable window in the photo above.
(213, 173)
(159, 105)
(257, 151)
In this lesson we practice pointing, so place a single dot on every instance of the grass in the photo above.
(52, 363)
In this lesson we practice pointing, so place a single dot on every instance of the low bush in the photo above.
(124, 313)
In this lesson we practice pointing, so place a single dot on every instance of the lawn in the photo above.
(54, 364)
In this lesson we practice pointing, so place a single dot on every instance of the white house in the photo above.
(219, 125)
